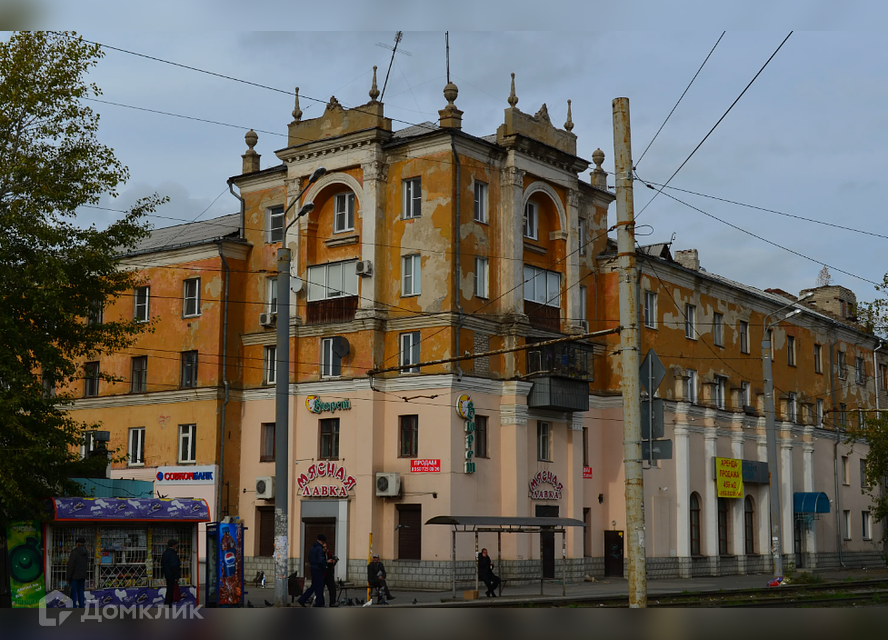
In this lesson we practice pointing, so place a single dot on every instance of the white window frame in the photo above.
(792, 407)
(544, 441)
(322, 284)
(411, 275)
(744, 336)
(136, 442)
(690, 322)
(846, 471)
(271, 294)
(582, 230)
(187, 437)
(542, 286)
(790, 351)
(344, 212)
(89, 443)
(818, 358)
(191, 300)
(331, 363)
(409, 351)
(690, 390)
(412, 198)
(482, 278)
(818, 404)
(274, 232)
(269, 364)
(532, 221)
(846, 524)
(745, 394)
(141, 309)
(584, 301)
(721, 391)
(866, 528)
(481, 212)
(650, 309)
(718, 329)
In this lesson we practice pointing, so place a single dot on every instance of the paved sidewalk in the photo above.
(602, 588)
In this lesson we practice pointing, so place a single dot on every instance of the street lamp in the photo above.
(281, 404)
(771, 434)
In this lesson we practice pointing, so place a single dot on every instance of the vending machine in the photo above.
(225, 564)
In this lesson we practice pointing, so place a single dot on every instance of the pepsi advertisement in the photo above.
(230, 564)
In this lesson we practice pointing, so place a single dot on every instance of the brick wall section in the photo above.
(482, 344)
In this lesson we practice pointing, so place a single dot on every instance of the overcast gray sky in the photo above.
(808, 138)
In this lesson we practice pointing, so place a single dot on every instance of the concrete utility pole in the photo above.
(282, 406)
(630, 351)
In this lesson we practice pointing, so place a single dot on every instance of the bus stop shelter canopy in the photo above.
(504, 524)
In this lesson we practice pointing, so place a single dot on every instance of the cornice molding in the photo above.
(146, 399)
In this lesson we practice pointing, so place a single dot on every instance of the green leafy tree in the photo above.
(55, 276)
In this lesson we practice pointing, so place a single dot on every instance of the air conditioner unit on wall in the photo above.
(388, 484)
(265, 487)
(364, 268)
(267, 319)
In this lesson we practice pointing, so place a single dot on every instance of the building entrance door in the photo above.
(799, 541)
(314, 526)
(613, 553)
(547, 539)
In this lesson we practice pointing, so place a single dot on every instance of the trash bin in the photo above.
(295, 585)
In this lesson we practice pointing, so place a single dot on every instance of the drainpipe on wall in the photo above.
(224, 377)
(456, 270)
(243, 221)
(832, 387)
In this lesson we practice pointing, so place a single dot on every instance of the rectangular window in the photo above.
(332, 280)
(140, 308)
(136, 447)
(860, 371)
(745, 394)
(846, 471)
(412, 198)
(91, 379)
(792, 407)
(95, 312)
(269, 365)
(344, 213)
(861, 419)
(191, 298)
(718, 330)
(721, 386)
(331, 360)
(584, 301)
(771, 342)
(790, 351)
(189, 369)
(840, 364)
(819, 416)
(409, 354)
(865, 530)
(582, 233)
(650, 309)
(531, 221)
(89, 443)
(690, 386)
(863, 481)
(883, 376)
(585, 446)
(544, 442)
(274, 223)
(480, 202)
(744, 336)
(187, 443)
(139, 375)
(690, 321)
(481, 450)
(843, 414)
(266, 446)
(818, 358)
(542, 286)
(411, 275)
(481, 278)
(408, 436)
(329, 446)
(846, 525)
(271, 294)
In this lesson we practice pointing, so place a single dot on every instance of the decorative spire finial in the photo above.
(598, 159)
(251, 139)
(450, 93)
(374, 91)
(297, 112)
(513, 99)
(569, 125)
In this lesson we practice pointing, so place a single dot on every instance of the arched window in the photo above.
(722, 527)
(695, 524)
(748, 528)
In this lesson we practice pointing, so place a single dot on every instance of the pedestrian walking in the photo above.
(317, 562)
(171, 570)
(78, 565)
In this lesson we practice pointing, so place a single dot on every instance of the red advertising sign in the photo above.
(425, 466)
(587, 473)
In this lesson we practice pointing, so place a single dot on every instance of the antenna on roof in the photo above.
(394, 50)
(447, 45)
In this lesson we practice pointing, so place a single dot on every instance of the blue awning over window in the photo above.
(816, 502)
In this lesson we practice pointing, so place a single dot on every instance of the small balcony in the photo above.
(559, 394)
(560, 374)
(543, 316)
(331, 310)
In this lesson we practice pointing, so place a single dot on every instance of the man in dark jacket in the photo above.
(376, 577)
(317, 562)
(486, 575)
(330, 575)
(171, 569)
(78, 563)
